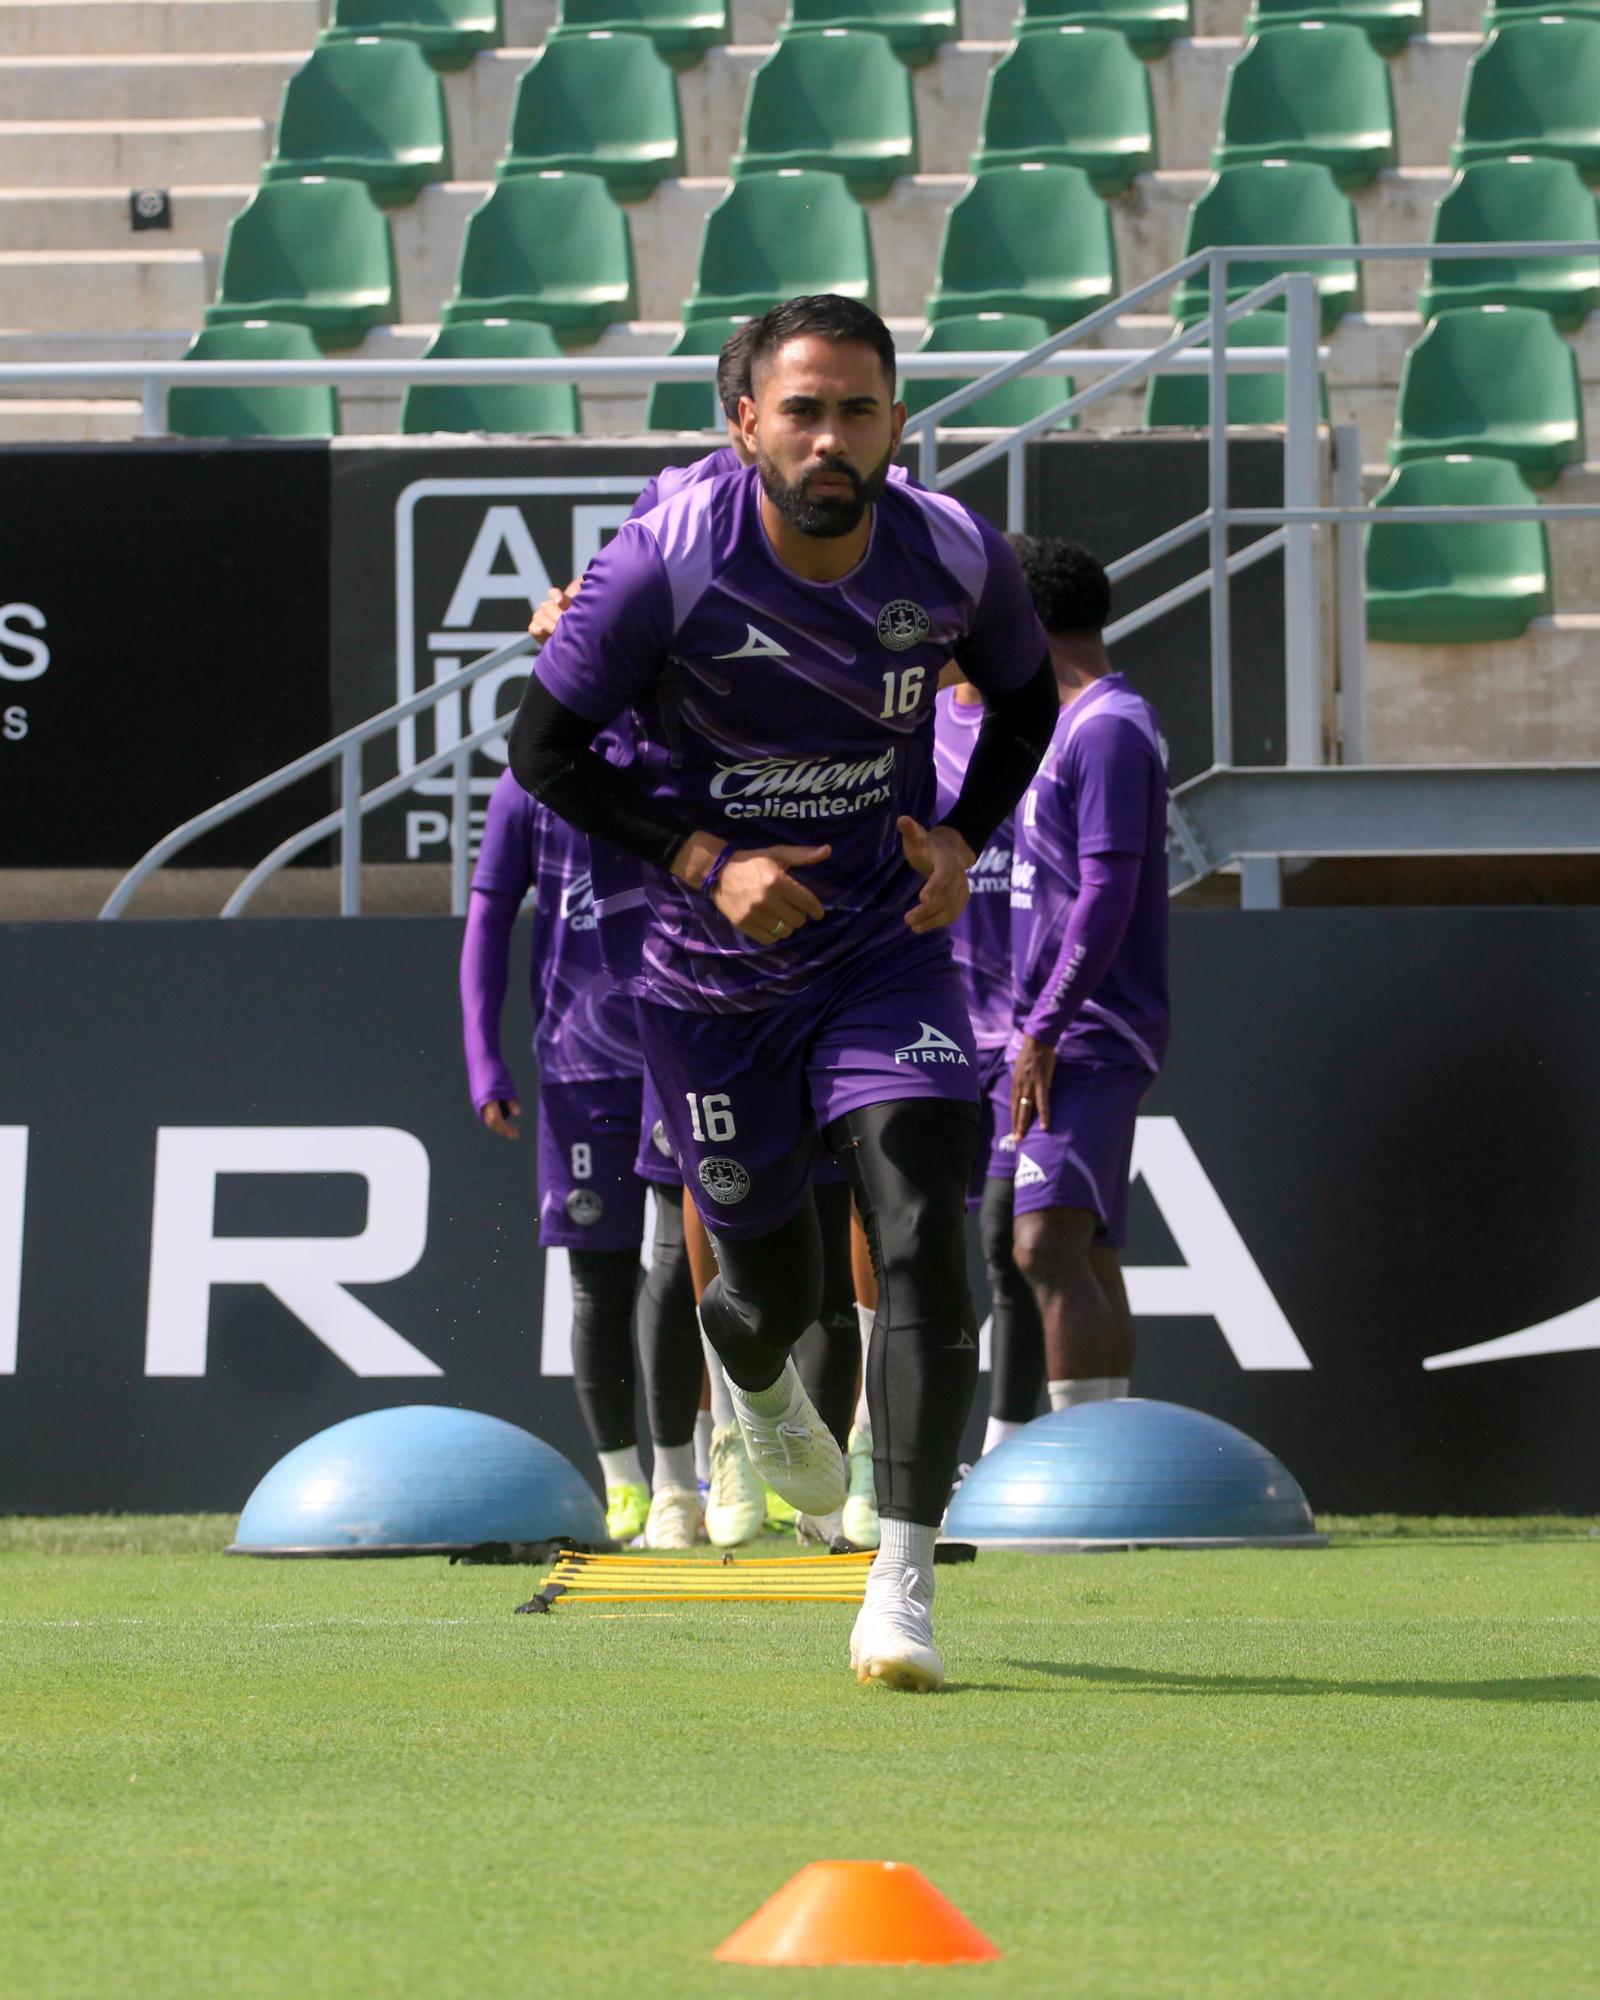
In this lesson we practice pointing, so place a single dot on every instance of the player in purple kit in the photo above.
(981, 937)
(1089, 963)
(777, 636)
(591, 1194)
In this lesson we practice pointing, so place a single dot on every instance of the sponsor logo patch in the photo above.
(724, 1180)
(585, 1207)
(804, 787)
(1029, 1172)
(932, 1046)
(577, 903)
(902, 624)
(757, 646)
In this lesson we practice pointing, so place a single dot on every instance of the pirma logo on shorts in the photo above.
(724, 1180)
(933, 1045)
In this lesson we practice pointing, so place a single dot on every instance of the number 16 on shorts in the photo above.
(711, 1118)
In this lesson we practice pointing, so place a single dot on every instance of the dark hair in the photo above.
(733, 368)
(828, 315)
(1067, 584)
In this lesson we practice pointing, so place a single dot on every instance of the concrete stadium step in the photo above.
(130, 153)
(139, 27)
(1530, 700)
(68, 420)
(76, 291)
(97, 218)
(146, 86)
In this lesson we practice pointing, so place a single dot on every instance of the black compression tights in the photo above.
(603, 1283)
(828, 1355)
(1016, 1380)
(909, 1163)
(669, 1334)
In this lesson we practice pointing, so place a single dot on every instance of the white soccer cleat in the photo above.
(823, 1528)
(736, 1506)
(892, 1639)
(674, 1520)
(860, 1520)
(796, 1454)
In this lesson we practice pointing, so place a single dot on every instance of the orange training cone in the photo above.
(857, 1913)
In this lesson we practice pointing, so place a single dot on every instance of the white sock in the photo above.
(702, 1446)
(721, 1403)
(674, 1466)
(997, 1430)
(907, 1545)
(622, 1468)
(1087, 1389)
(776, 1400)
(865, 1315)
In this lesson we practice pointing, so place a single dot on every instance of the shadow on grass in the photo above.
(1151, 1680)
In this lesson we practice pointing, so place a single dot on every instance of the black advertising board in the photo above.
(278, 1211)
(163, 643)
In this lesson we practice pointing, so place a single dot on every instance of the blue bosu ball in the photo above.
(418, 1480)
(1130, 1474)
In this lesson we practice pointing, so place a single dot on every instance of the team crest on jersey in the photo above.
(932, 1046)
(585, 1207)
(902, 624)
(724, 1180)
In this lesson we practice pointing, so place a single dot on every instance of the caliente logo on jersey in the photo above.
(803, 787)
(577, 903)
(902, 624)
(932, 1046)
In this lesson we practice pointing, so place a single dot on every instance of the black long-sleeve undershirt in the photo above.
(551, 758)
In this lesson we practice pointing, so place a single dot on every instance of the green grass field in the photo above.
(1369, 1771)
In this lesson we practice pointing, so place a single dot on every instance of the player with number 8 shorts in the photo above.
(775, 637)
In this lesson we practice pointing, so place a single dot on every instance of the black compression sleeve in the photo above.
(551, 758)
(1014, 735)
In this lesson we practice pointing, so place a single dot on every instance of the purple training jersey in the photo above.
(1101, 789)
(981, 935)
(583, 1025)
(768, 709)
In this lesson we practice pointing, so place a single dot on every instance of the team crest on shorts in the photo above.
(585, 1207)
(659, 1139)
(901, 624)
(724, 1180)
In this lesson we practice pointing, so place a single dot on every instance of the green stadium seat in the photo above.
(916, 28)
(1183, 402)
(1315, 90)
(317, 251)
(1534, 87)
(1031, 239)
(690, 406)
(1070, 97)
(448, 32)
(367, 110)
(548, 409)
(1004, 408)
(1517, 200)
(301, 409)
(1387, 24)
(682, 30)
(1150, 26)
(552, 247)
(1456, 582)
(1499, 12)
(773, 236)
(1495, 380)
(1273, 201)
(601, 103)
(837, 100)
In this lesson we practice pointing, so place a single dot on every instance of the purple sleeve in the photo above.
(1112, 770)
(1005, 642)
(485, 955)
(1108, 887)
(612, 643)
(650, 497)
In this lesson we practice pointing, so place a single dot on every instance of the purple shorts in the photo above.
(997, 1150)
(745, 1096)
(1083, 1161)
(590, 1198)
(654, 1161)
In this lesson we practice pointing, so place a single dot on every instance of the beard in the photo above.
(825, 516)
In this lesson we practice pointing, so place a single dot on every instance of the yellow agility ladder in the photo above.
(584, 1579)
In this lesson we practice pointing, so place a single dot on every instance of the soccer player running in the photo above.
(777, 636)
(1089, 942)
(591, 1189)
(981, 937)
